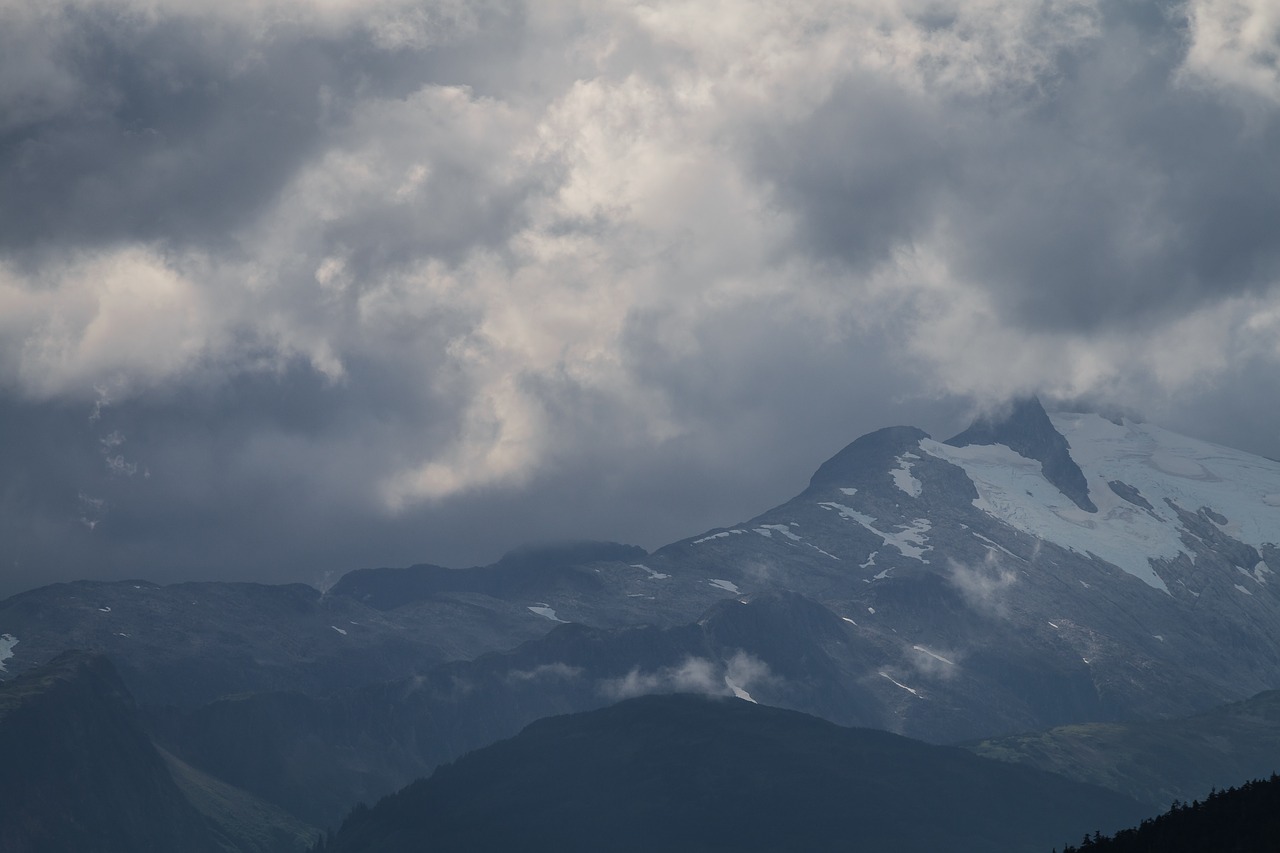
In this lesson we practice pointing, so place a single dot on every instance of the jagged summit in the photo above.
(1027, 431)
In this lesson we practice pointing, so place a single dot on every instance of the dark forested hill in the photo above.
(1238, 820)
(684, 772)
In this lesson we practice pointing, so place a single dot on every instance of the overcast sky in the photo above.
(290, 287)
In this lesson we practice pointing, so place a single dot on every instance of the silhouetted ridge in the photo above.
(1027, 431)
(691, 773)
(1238, 820)
(527, 570)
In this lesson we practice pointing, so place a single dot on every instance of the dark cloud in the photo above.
(295, 287)
(1104, 191)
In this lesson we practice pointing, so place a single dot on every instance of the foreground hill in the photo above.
(691, 773)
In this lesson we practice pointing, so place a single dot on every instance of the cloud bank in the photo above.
(365, 282)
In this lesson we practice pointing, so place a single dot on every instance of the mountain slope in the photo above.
(690, 773)
(1158, 761)
(1002, 605)
(79, 774)
(316, 757)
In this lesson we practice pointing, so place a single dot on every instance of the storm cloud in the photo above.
(289, 287)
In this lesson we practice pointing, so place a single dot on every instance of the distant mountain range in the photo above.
(1037, 570)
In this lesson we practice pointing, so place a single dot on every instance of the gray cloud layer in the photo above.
(291, 286)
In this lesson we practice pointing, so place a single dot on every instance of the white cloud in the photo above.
(1235, 43)
(694, 675)
(525, 249)
(983, 585)
(125, 319)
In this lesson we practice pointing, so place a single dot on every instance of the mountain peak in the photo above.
(867, 457)
(1026, 429)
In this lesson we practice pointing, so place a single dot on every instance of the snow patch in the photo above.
(871, 610)
(903, 478)
(871, 561)
(910, 690)
(780, 528)
(104, 609)
(882, 574)
(850, 621)
(723, 534)
(820, 551)
(909, 540)
(738, 691)
(1163, 466)
(1169, 462)
(546, 612)
(654, 576)
(990, 543)
(341, 631)
(727, 586)
(934, 655)
(1159, 637)
(7, 642)
(1013, 489)
(1242, 589)
(850, 492)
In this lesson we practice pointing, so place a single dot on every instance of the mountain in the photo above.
(691, 773)
(987, 598)
(78, 772)
(1000, 603)
(1037, 570)
(1158, 761)
(317, 756)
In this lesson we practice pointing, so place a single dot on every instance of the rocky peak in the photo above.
(1026, 429)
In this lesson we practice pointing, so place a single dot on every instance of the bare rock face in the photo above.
(1027, 431)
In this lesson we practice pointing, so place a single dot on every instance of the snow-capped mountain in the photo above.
(1034, 570)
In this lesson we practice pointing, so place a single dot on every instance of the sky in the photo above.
(292, 287)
